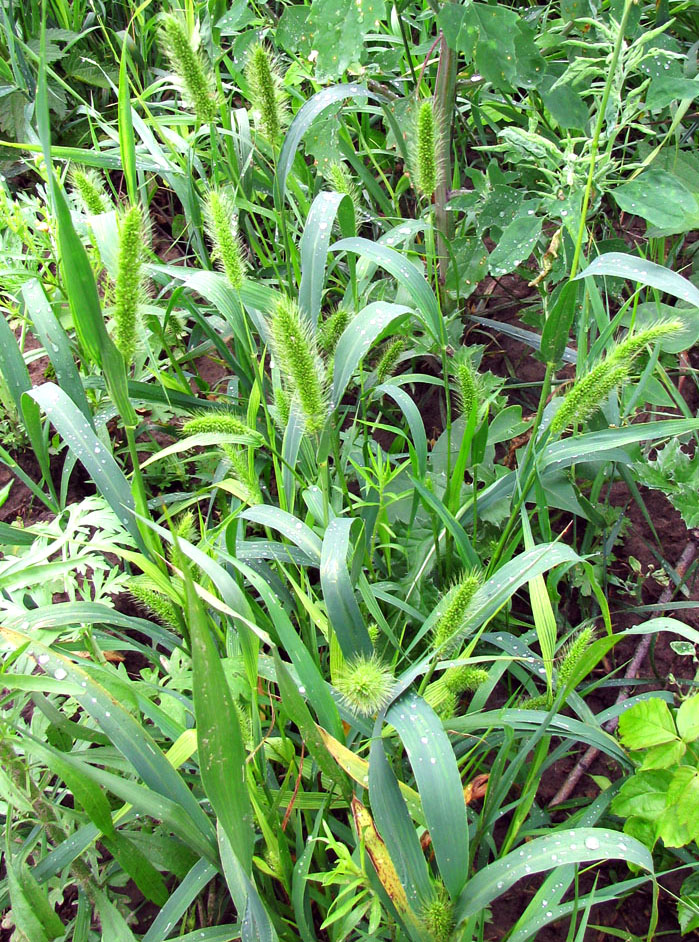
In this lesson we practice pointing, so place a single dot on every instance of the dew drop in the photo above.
(60, 674)
(591, 843)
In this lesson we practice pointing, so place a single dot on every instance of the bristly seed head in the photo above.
(221, 228)
(89, 187)
(240, 471)
(266, 96)
(217, 422)
(467, 385)
(366, 684)
(129, 286)
(590, 392)
(572, 654)
(331, 329)
(448, 630)
(299, 363)
(426, 149)
(193, 73)
(438, 916)
(388, 362)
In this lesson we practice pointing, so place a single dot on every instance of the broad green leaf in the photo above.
(85, 792)
(326, 207)
(515, 245)
(56, 344)
(391, 813)
(646, 724)
(89, 450)
(364, 330)
(336, 29)
(439, 783)
(343, 611)
(134, 862)
(578, 845)
(683, 795)
(687, 719)
(642, 272)
(295, 708)
(201, 874)
(496, 39)
(303, 119)
(664, 756)
(222, 753)
(661, 199)
(405, 273)
(567, 106)
(667, 88)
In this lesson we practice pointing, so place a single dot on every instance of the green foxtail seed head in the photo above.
(366, 684)
(282, 406)
(541, 701)
(216, 422)
(221, 228)
(143, 590)
(448, 630)
(266, 96)
(590, 392)
(573, 653)
(332, 328)
(128, 287)
(438, 916)
(460, 679)
(447, 706)
(341, 181)
(184, 528)
(388, 361)
(245, 723)
(90, 190)
(249, 488)
(426, 157)
(466, 382)
(299, 363)
(193, 73)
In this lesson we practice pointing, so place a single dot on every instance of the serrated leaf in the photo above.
(687, 719)
(660, 198)
(646, 724)
(683, 795)
(643, 795)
